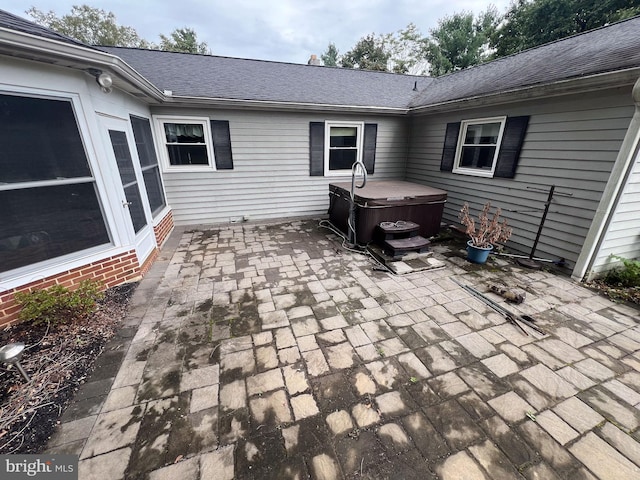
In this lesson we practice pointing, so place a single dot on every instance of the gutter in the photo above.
(43, 49)
(611, 195)
(186, 101)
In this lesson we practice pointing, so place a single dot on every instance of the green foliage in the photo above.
(460, 41)
(407, 51)
(90, 25)
(627, 275)
(58, 304)
(183, 40)
(529, 23)
(368, 54)
(331, 56)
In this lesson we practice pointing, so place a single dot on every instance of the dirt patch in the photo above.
(58, 358)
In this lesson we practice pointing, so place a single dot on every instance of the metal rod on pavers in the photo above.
(511, 318)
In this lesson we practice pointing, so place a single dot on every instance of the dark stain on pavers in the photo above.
(205, 306)
(510, 442)
(459, 433)
(333, 392)
(356, 453)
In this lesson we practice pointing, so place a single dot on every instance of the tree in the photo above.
(89, 25)
(183, 40)
(407, 51)
(529, 23)
(330, 57)
(368, 54)
(460, 41)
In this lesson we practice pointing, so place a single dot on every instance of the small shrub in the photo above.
(58, 304)
(627, 275)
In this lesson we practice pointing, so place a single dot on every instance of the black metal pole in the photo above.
(544, 217)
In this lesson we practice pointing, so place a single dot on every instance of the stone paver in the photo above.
(339, 422)
(281, 355)
(603, 460)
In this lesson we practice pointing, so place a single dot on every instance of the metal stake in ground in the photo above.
(530, 262)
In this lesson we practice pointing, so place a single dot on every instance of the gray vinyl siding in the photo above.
(622, 237)
(270, 178)
(571, 142)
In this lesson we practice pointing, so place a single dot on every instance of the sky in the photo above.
(279, 30)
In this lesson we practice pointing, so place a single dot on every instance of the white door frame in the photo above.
(144, 241)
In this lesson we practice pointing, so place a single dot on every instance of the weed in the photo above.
(627, 275)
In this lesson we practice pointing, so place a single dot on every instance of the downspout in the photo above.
(611, 194)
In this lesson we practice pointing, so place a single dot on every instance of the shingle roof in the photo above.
(210, 76)
(615, 47)
(13, 22)
(611, 48)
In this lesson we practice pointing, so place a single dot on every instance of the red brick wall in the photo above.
(110, 272)
(163, 229)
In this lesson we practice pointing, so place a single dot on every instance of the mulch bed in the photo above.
(58, 358)
(617, 293)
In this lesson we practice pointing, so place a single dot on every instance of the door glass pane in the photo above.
(39, 140)
(123, 157)
(128, 177)
(154, 189)
(144, 141)
(136, 210)
(47, 222)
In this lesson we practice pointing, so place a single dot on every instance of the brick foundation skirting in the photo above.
(163, 229)
(110, 271)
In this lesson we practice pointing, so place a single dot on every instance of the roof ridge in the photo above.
(280, 62)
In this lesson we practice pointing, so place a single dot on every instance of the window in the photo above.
(149, 163)
(50, 205)
(335, 146)
(487, 147)
(344, 146)
(187, 143)
(478, 147)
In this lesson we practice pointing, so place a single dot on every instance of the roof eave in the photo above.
(562, 87)
(31, 47)
(187, 101)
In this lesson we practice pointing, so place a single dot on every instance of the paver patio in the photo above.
(267, 351)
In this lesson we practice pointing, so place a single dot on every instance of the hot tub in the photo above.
(386, 201)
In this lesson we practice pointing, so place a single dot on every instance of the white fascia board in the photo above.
(24, 45)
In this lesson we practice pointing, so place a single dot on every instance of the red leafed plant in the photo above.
(485, 231)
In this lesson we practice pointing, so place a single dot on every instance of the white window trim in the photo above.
(476, 172)
(54, 266)
(160, 120)
(327, 141)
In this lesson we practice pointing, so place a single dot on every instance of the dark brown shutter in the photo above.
(450, 145)
(512, 139)
(222, 144)
(316, 149)
(369, 145)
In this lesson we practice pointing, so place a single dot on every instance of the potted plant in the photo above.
(485, 232)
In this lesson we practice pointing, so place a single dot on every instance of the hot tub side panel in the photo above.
(425, 211)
